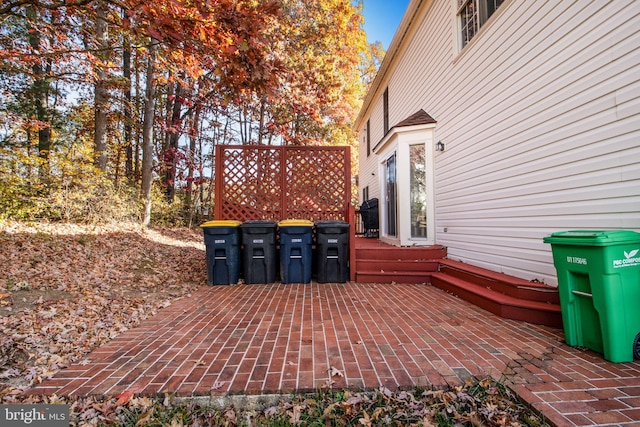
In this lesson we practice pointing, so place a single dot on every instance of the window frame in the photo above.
(476, 13)
(385, 110)
(368, 137)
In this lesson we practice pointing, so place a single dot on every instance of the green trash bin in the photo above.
(599, 287)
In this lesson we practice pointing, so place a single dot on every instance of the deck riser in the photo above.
(551, 317)
(388, 266)
(531, 294)
(407, 254)
(393, 277)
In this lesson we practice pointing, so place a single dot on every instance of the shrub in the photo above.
(91, 200)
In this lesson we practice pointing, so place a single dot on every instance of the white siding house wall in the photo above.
(368, 165)
(540, 116)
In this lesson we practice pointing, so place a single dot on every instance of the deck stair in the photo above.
(386, 264)
(506, 296)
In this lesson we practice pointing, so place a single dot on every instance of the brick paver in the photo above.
(262, 339)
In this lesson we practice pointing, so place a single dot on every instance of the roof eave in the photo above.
(398, 130)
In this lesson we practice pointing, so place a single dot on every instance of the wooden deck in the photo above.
(503, 295)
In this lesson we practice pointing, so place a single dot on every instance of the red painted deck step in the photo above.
(502, 305)
(501, 294)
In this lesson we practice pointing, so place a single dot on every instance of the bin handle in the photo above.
(584, 294)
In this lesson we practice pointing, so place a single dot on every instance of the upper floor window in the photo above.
(385, 108)
(368, 137)
(473, 14)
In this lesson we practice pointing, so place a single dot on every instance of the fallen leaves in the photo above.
(217, 385)
(335, 372)
(66, 289)
(5, 299)
(124, 397)
(477, 403)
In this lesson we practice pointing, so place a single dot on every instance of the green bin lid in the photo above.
(221, 223)
(593, 237)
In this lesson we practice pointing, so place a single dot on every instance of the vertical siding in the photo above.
(540, 115)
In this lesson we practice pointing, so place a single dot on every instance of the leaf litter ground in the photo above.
(66, 289)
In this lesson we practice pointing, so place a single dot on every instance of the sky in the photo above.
(381, 19)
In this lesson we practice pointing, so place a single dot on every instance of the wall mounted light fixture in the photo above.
(440, 146)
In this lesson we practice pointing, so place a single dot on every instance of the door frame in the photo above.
(398, 142)
(391, 195)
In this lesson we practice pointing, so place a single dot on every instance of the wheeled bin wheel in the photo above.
(636, 347)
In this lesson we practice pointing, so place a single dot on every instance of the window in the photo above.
(368, 136)
(473, 14)
(385, 107)
(365, 193)
(418, 190)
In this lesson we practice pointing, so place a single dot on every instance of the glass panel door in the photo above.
(391, 196)
(418, 190)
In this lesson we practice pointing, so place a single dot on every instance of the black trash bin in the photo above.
(222, 241)
(296, 238)
(259, 263)
(332, 251)
(369, 214)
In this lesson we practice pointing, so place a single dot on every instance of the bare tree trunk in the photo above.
(193, 139)
(171, 150)
(168, 109)
(101, 94)
(262, 118)
(245, 125)
(40, 88)
(201, 162)
(128, 113)
(136, 151)
(116, 166)
(147, 134)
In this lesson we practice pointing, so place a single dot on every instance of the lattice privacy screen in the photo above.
(276, 183)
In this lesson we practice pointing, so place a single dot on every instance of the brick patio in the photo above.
(263, 339)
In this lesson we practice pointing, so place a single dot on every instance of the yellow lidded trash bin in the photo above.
(296, 238)
(222, 241)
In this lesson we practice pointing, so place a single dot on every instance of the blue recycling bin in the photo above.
(259, 262)
(332, 251)
(296, 239)
(222, 241)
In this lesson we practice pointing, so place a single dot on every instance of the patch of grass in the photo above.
(13, 285)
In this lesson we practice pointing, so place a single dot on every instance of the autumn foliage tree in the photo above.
(128, 98)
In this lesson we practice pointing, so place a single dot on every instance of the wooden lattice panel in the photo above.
(275, 183)
(315, 183)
